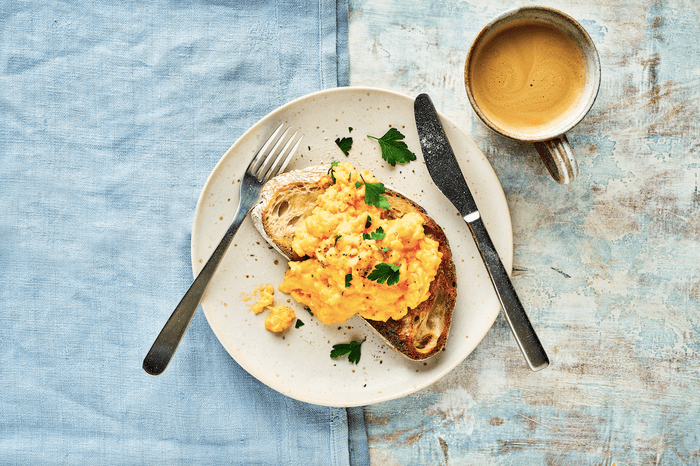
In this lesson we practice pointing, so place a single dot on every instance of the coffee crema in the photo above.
(527, 77)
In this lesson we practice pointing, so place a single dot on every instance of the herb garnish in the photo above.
(336, 239)
(345, 144)
(348, 279)
(352, 349)
(299, 324)
(373, 193)
(331, 171)
(384, 272)
(377, 234)
(394, 150)
(368, 223)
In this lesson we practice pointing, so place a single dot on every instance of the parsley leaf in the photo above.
(352, 349)
(373, 193)
(299, 324)
(394, 150)
(345, 144)
(336, 239)
(384, 272)
(377, 234)
(368, 223)
(331, 171)
(348, 279)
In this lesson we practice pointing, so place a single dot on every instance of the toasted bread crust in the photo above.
(278, 229)
(423, 331)
(281, 216)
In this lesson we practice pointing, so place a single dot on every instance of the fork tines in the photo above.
(270, 159)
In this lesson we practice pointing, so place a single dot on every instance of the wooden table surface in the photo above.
(608, 267)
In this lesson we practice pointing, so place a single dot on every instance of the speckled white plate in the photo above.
(297, 363)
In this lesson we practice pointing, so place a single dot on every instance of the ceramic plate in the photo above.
(297, 363)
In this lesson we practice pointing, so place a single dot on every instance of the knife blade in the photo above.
(447, 176)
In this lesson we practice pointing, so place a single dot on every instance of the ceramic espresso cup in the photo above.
(532, 74)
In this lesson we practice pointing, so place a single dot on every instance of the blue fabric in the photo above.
(112, 115)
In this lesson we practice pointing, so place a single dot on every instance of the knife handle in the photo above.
(515, 314)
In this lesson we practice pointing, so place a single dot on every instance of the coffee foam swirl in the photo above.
(528, 77)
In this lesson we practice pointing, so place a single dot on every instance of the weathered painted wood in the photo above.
(609, 267)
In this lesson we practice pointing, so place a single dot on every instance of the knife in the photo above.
(447, 175)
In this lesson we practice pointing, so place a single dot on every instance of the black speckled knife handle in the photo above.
(520, 325)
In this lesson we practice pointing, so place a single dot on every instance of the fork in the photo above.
(271, 159)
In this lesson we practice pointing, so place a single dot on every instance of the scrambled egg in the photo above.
(266, 298)
(280, 318)
(333, 282)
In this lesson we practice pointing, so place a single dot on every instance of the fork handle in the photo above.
(169, 338)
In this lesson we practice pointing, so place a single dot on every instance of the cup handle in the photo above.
(559, 159)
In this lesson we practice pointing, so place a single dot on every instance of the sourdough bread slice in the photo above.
(423, 331)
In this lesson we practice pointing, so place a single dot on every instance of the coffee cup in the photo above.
(532, 74)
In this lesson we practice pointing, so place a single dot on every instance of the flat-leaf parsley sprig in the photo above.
(352, 349)
(374, 193)
(345, 145)
(384, 272)
(376, 235)
(331, 171)
(394, 150)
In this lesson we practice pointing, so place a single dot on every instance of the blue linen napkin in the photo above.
(112, 116)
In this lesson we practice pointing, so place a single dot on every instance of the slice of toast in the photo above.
(423, 331)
